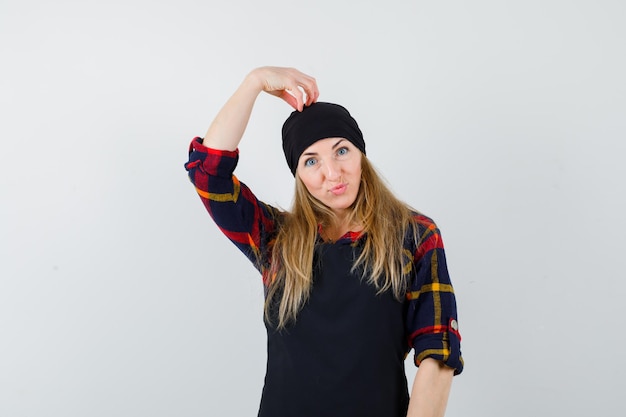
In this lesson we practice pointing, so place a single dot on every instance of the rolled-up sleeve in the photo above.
(246, 221)
(432, 323)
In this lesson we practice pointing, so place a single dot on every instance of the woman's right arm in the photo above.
(246, 221)
(230, 123)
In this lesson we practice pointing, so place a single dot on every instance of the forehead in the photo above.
(326, 145)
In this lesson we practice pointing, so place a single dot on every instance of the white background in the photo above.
(505, 121)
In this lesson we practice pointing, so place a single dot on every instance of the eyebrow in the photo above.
(338, 142)
(315, 153)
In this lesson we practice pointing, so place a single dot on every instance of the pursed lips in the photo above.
(339, 189)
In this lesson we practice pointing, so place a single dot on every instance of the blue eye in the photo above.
(342, 151)
(310, 162)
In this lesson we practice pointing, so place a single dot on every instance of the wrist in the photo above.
(253, 82)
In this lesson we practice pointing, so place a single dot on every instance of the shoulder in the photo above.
(424, 234)
(423, 224)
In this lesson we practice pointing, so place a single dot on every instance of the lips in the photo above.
(339, 189)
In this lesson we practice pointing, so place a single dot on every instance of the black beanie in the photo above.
(318, 121)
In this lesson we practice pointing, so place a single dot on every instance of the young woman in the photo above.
(353, 277)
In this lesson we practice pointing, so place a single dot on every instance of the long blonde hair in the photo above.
(385, 220)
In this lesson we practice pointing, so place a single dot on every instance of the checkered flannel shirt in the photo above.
(431, 319)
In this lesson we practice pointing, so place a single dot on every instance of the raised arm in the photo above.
(289, 84)
(246, 221)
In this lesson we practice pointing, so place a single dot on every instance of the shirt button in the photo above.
(454, 325)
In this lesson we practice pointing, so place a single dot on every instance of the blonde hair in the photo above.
(385, 221)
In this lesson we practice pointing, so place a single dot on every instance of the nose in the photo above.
(333, 170)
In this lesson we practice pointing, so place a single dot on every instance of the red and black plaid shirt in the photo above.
(431, 318)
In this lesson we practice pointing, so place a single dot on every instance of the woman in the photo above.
(353, 277)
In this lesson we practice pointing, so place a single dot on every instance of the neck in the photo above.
(339, 226)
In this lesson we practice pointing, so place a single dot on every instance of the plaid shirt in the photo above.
(431, 319)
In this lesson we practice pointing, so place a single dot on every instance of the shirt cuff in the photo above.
(444, 346)
(215, 162)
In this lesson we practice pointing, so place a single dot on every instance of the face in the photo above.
(331, 171)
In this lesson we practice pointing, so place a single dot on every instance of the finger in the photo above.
(297, 93)
(309, 97)
(312, 97)
(311, 90)
(291, 100)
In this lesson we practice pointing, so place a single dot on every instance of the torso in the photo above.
(344, 356)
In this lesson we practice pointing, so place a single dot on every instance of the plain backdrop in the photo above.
(505, 121)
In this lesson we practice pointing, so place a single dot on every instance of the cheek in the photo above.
(357, 171)
(308, 180)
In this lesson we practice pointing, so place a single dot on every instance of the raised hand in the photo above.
(296, 88)
(289, 84)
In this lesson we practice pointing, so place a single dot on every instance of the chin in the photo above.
(341, 207)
